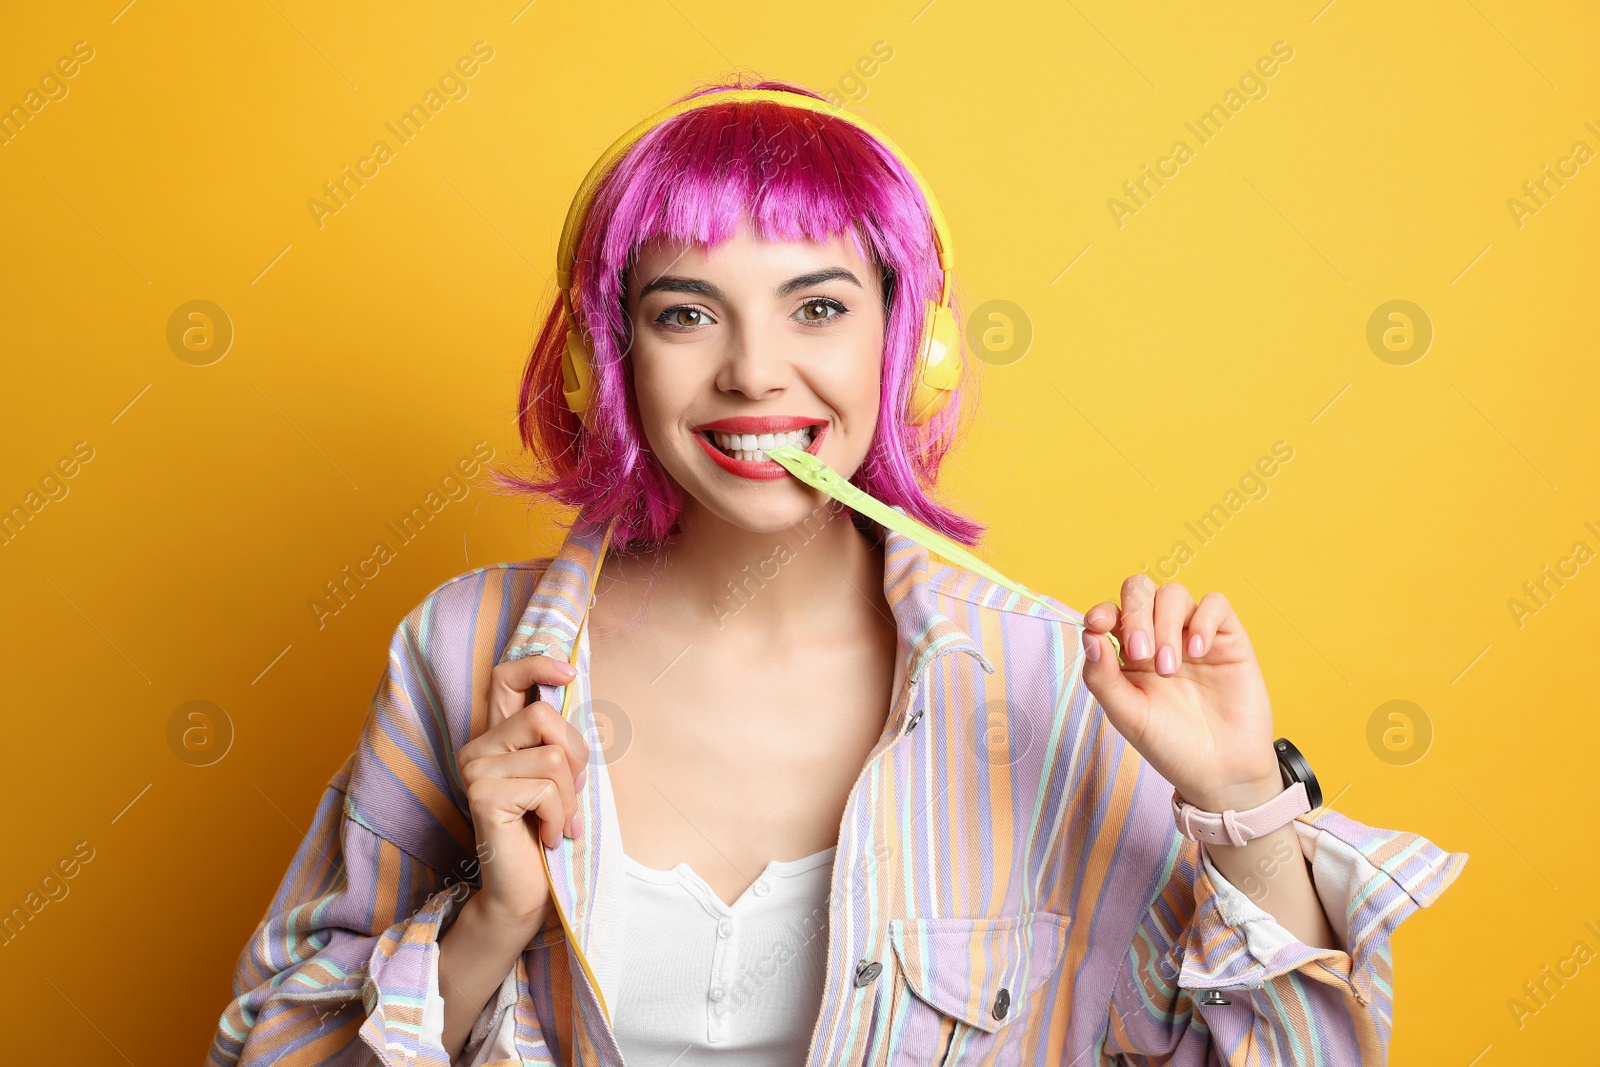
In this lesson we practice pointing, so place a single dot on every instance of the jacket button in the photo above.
(866, 971)
(1214, 996)
(912, 723)
(1002, 1003)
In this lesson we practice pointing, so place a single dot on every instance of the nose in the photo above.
(757, 364)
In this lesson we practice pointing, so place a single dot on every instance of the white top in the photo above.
(703, 983)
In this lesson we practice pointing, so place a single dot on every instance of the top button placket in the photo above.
(719, 998)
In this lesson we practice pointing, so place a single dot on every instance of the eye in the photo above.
(666, 318)
(824, 302)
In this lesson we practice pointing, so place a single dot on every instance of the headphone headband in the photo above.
(566, 252)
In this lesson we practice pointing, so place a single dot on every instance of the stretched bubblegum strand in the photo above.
(817, 474)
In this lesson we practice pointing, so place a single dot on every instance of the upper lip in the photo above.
(758, 424)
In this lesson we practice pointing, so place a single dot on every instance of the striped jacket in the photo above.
(1008, 886)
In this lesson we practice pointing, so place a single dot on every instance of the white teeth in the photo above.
(752, 447)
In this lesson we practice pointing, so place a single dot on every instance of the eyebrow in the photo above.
(675, 284)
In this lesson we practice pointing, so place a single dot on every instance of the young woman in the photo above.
(742, 775)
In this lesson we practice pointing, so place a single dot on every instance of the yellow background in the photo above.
(374, 351)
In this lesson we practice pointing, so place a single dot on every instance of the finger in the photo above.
(530, 796)
(1206, 622)
(1135, 627)
(1124, 703)
(510, 681)
(1101, 618)
(536, 725)
(1173, 607)
(547, 763)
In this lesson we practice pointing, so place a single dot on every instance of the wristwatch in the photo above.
(1301, 794)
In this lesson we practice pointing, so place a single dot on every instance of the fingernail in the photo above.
(1194, 645)
(577, 824)
(569, 670)
(583, 775)
(1091, 647)
(569, 829)
(1166, 660)
(1139, 645)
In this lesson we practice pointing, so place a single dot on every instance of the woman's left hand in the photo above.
(1190, 697)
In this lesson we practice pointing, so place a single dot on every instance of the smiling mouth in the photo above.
(752, 447)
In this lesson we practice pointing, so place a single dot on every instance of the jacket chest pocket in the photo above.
(962, 988)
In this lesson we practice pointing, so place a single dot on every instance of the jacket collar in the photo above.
(554, 613)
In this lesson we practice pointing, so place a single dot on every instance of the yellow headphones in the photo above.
(938, 364)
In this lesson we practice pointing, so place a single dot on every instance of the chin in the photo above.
(773, 508)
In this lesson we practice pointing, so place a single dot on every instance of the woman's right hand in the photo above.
(522, 775)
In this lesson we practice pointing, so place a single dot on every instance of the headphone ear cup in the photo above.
(938, 367)
(576, 377)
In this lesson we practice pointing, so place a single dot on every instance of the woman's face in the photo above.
(750, 339)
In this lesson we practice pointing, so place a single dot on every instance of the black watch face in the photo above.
(1296, 769)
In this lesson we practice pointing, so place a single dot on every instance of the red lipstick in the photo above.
(760, 424)
(758, 470)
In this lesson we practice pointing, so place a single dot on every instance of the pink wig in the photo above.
(794, 174)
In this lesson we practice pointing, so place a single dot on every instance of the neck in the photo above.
(770, 585)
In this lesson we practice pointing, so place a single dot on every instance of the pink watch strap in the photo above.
(1237, 827)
